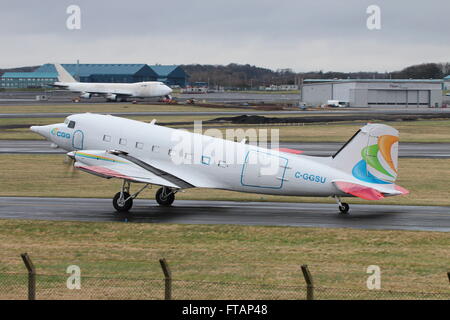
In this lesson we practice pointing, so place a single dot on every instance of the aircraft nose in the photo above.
(41, 130)
(36, 129)
(169, 90)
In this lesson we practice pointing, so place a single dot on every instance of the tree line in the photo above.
(248, 76)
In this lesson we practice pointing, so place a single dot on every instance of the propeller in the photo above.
(69, 162)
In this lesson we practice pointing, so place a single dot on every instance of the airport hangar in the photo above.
(373, 92)
(46, 74)
(447, 83)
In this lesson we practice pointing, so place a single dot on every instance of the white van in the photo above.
(337, 103)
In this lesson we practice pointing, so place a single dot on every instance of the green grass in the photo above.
(127, 253)
(425, 131)
(410, 131)
(425, 178)
(268, 92)
(108, 108)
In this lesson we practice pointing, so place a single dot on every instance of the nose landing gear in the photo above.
(343, 207)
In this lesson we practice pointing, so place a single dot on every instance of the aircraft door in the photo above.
(78, 140)
(263, 170)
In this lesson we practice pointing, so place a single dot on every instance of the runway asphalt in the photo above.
(65, 98)
(346, 111)
(227, 212)
(406, 150)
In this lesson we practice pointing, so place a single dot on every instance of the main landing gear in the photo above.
(343, 207)
(165, 196)
(123, 200)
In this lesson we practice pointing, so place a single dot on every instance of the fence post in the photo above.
(309, 282)
(31, 276)
(167, 279)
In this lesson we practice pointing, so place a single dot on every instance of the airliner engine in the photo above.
(111, 97)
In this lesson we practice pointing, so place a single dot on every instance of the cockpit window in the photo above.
(71, 124)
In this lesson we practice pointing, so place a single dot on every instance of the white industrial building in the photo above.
(447, 83)
(373, 93)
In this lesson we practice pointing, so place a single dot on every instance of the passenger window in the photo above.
(107, 138)
(155, 148)
(222, 164)
(123, 141)
(206, 160)
(139, 145)
(71, 124)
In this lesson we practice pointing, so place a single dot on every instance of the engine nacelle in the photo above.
(85, 95)
(111, 97)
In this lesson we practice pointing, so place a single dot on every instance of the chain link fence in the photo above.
(74, 286)
(15, 286)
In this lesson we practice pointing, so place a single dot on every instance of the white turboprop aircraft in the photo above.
(138, 152)
(111, 91)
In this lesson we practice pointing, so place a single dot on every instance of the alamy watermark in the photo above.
(213, 147)
(73, 21)
(74, 280)
(374, 280)
(374, 20)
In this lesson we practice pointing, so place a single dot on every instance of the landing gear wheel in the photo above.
(344, 207)
(165, 197)
(119, 202)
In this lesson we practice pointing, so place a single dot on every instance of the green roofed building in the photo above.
(106, 73)
(171, 75)
(26, 79)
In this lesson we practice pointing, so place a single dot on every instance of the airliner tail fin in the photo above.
(63, 75)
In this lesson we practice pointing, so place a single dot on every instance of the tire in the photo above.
(167, 201)
(343, 208)
(125, 206)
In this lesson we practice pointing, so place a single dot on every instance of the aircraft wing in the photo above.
(367, 192)
(108, 164)
(109, 92)
(58, 85)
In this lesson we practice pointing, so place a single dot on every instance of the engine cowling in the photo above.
(85, 95)
(111, 97)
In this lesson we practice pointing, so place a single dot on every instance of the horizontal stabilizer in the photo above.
(402, 190)
(287, 150)
(358, 190)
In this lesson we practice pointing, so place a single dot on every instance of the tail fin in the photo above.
(371, 155)
(63, 75)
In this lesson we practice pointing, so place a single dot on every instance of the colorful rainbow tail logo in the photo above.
(379, 161)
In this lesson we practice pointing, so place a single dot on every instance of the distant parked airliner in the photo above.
(111, 91)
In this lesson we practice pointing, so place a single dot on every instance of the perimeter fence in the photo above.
(33, 285)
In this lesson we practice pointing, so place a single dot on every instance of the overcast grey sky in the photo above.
(302, 35)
